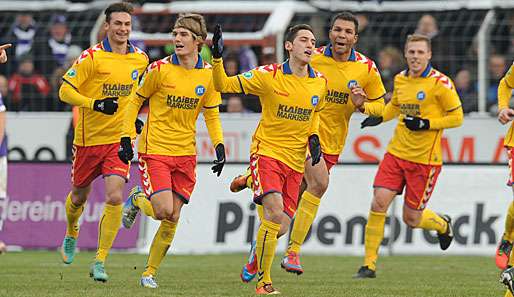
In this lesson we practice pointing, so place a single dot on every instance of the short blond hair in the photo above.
(194, 23)
(419, 37)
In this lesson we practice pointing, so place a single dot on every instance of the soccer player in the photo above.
(291, 96)
(178, 87)
(354, 84)
(100, 82)
(425, 102)
(505, 115)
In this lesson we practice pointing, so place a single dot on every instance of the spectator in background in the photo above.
(369, 41)
(427, 25)
(21, 36)
(268, 56)
(29, 91)
(50, 51)
(231, 65)
(497, 68)
(235, 104)
(55, 79)
(466, 90)
(247, 59)
(390, 62)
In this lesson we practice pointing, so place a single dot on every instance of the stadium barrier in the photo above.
(479, 140)
(218, 221)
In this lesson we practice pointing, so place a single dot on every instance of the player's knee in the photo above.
(318, 186)
(79, 196)
(274, 214)
(175, 216)
(163, 213)
(114, 197)
(411, 221)
(378, 204)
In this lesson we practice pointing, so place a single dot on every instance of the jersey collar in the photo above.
(425, 73)
(328, 52)
(175, 61)
(107, 46)
(287, 69)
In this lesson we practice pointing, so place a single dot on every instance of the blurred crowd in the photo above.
(41, 54)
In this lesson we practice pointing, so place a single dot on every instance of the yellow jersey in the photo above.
(504, 95)
(176, 96)
(431, 96)
(100, 73)
(335, 117)
(290, 108)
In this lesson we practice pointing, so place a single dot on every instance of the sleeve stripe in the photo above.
(211, 107)
(66, 81)
(240, 84)
(455, 108)
(142, 96)
(373, 99)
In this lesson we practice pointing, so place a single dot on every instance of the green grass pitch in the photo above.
(42, 274)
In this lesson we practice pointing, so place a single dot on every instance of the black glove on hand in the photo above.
(125, 152)
(139, 126)
(371, 121)
(315, 149)
(220, 159)
(416, 123)
(107, 105)
(217, 42)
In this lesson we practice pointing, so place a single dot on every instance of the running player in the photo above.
(178, 88)
(425, 102)
(291, 96)
(100, 82)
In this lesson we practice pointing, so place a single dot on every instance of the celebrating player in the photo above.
(505, 115)
(178, 87)
(425, 102)
(100, 82)
(350, 75)
(291, 95)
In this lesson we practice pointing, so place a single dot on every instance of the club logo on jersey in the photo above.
(135, 74)
(420, 96)
(352, 83)
(315, 100)
(199, 90)
(71, 73)
(248, 75)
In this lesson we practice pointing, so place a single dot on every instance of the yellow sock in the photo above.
(508, 294)
(108, 229)
(509, 224)
(73, 214)
(145, 205)
(431, 221)
(265, 250)
(305, 215)
(160, 245)
(373, 238)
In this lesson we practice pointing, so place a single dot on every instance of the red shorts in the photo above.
(91, 161)
(510, 156)
(168, 173)
(273, 176)
(395, 174)
(330, 160)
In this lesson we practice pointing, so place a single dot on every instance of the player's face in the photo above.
(119, 27)
(184, 41)
(302, 46)
(418, 55)
(342, 36)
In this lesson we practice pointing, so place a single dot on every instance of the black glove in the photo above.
(220, 159)
(107, 105)
(217, 42)
(125, 152)
(371, 121)
(139, 126)
(416, 123)
(315, 149)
